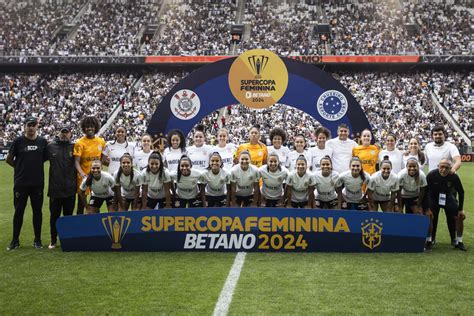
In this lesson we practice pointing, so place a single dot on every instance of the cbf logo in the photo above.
(332, 105)
(258, 64)
(185, 104)
(116, 228)
(371, 233)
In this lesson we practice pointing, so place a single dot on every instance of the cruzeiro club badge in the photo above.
(332, 105)
(185, 104)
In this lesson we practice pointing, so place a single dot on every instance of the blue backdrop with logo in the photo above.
(252, 229)
(306, 84)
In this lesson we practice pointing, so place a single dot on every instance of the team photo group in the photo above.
(337, 173)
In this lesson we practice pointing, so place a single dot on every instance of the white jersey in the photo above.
(187, 187)
(341, 153)
(128, 185)
(293, 156)
(283, 152)
(199, 156)
(140, 159)
(101, 188)
(272, 187)
(409, 186)
(300, 185)
(325, 186)
(352, 191)
(316, 156)
(396, 158)
(114, 151)
(406, 157)
(381, 187)
(216, 184)
(171, 158)
(244, 180)
(434, 154)
(156, 189)
(227, 155)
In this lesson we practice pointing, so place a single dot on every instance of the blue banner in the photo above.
(249, 229)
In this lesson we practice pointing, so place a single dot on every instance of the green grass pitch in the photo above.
(52, 282)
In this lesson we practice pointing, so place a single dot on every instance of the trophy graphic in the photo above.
(116, 228)
(258, 64)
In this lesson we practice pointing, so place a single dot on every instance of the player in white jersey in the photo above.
(412, 182)
(226, 150)
(278, 138)
(116, 148)
(300, 185)
(217, 182)
(101, 184)
(414, 151)
(176, 149)
(326, 180)
(199, 152)
(140, 157)
(273, 177)
(320, 150)
(127, 181)
(394, 155)
(383, 188)
(350, 187)
(188, 188)
(156, 184)
(440, 149)
(244, 178)
(341, 149)
(300, 149)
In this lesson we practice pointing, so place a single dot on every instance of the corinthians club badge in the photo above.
(185, 104)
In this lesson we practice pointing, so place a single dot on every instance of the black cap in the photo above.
(65, 128)
(31, 119)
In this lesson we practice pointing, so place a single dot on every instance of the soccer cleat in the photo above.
(37, 244)
(453, 242)
(429, 246)
(460, 246)
(52, 245)
(15, 244)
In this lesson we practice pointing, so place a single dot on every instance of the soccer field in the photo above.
(52, 282)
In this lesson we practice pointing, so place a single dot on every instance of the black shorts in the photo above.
(97, 201)
(325, 204)
(408, 203)
(271, 203)
(189, 203)
(361, 206)
(244, 200)
(216, 201)
(299, 204)
(155, 203)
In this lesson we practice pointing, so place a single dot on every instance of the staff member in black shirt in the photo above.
(442, 189)
(27, 156)
(62, 179)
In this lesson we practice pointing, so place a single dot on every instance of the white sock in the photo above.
(428, 238)
(458, 239)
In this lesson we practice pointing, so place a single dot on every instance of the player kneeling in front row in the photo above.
(383, 188)
(300, 185)
(127, 184)
(326, 180)
(156, 184)
(273, 175)
(188, 188)
(101, 184)
(350, 187)
(217, 182)
(244, 179)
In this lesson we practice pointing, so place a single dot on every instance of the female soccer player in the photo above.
(188, 188)
(326, 179)
(320, 150)
(300, 185)
(244, 178)
(273, 176)
(412, 182)
(156, 184)
(257, 150)
(176, 149)
(383, 188)
(367, 153)
(140, 157)
(350, 187)
(101, 184)
(114, 150)
(394, 155)
(414, 151)
(127, 182)
(226, 150)
(300, 149)
(199, 151)
(278, 138)
(217, 181)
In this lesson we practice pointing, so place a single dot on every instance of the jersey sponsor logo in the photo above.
(116, 227)
(185, 104)
(332, 105)
(371, 233)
